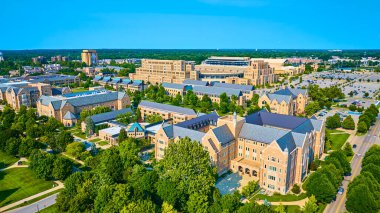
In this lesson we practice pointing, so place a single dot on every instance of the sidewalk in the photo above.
(15, 165)
(79, 161)
(300, 203)
(59, 186)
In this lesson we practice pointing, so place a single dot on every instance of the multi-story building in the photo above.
(273, 149)
(159, 71)
(1, 57)
(66, 108)
(39, 59)
(17, 94)
(278, 64)
(90, 57)
(236, 70)
(54, 79)
(285, 101)
(178, 114)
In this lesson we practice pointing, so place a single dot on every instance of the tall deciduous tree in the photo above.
(187, 165)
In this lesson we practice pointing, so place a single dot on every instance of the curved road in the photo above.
(35, 207)
(363, 144)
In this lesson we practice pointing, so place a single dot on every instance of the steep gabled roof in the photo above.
(173, 86)
(107, 116)
(223, 134)
(137, 126)
(69, 116)
(173, 131)
(279, 98)
(293, 92)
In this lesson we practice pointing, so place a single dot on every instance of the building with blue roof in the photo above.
(59, 106)
(178, 114)
(285, 101)
(274, 149)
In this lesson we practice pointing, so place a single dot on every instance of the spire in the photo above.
(235, 119)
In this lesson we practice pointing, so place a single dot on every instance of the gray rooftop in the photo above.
(289, 91)
(173, 86)
(168, 108)
(223, 134)
(216, 91)
(107, 116)
(195, 82)
(244, 88)
(279, 98)
(173, 131)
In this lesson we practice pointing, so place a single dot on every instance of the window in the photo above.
(240, 154)
(272, 168)
(271, 186)
(273, 159)
(240, 147)
(247, 149)
(270, 177)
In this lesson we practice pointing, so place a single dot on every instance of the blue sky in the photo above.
(190, 24)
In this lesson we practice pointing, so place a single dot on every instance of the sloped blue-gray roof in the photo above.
(166, 107)
(261, 133)
(293, 92)
(173, 86)
(265, 118)
(173, 131)
(69, 116)
(223, 134)
(244, 88)
(216, 91)
(107, 116)
(195, 82)
(279, 98)
(200, 120)
(116, 80)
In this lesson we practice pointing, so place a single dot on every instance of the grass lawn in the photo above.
(95, 140)
(280, 197)
(20, 183)
(80, 135)
(79, 89)
(103, 143)
(338, 140)
(35, 199)
(289, 209)
(50, 209)
(6, 160)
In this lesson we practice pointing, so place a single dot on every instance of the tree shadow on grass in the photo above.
(4, 194)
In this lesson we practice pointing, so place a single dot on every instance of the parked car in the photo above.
(340, 190)
(354, 146)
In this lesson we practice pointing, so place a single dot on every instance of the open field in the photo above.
(20, 183)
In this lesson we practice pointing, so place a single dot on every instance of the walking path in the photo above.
(37, 206)
(59, 186)
(76, 160)
(300, 203)
(15, 165)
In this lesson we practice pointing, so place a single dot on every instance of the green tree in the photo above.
(333, 122)
(249, 188)
(62, 168)
(75, 149)
(187, 165)
(90, 126)
(360, 199)
(280, 208)
(296, 189)
(311, 205)
(348, 150)
(122, 135)
(206, 103)
(167, 208)
(153, 118)
(348, 123)
(140, 206)
(255, 99)
(61, 140)
(362, 127)
(320, 186)
(177, 100)
(312, 108)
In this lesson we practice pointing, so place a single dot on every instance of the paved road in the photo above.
(363, 144)
(35, 207)
(59, 186)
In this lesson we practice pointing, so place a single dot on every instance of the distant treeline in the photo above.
(196, 55)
